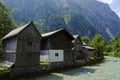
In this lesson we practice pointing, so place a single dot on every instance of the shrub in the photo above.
(95, 59)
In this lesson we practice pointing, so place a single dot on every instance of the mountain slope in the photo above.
(85, 17)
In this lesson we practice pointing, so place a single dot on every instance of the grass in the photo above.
(114, 54)
(3, 68)
(45, 63)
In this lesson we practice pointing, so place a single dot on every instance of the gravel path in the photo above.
(108, 70)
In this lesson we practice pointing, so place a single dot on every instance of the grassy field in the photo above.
(45, 63)
(3, 68)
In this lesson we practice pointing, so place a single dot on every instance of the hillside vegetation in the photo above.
(84, 17)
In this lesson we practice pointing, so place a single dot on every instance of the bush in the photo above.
(92, 60)
(95, 59)
(109, 53)
(105, 53)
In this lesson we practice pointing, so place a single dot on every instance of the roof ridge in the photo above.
(52, 32)
(16, 31)
(56, 31)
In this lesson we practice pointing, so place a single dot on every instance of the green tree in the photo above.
(99, 43)
(6, 22)
(115, 42)
(85, 39)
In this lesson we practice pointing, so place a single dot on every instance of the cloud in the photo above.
(106, 1)
(118, 13)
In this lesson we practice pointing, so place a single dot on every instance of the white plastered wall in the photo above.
(49, 56)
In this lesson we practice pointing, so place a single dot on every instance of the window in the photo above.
(56, 54)
(29, 42)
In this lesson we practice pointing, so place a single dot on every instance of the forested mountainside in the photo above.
(86, 17)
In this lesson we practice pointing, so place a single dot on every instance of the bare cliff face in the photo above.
(86, 17)
(101, 16)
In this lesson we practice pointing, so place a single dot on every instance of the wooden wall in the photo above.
(77, 52)
(61, 41)
(89, 52)
(28, 49)
(44, 44)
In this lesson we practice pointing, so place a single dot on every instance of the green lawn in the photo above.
(3, 68)
(45, 63)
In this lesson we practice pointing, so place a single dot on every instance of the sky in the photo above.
(114, 4)
(107, 1)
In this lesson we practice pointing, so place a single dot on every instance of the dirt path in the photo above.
(108, 70)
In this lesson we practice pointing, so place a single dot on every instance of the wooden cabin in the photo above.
(56, 48)
(22, 46)
(77, 48)
(89, 51)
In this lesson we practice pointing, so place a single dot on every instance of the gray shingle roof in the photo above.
(51, 33)
(84, 44)
(15, 31)
(56, 31)
(88, 47)
(75, 36)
